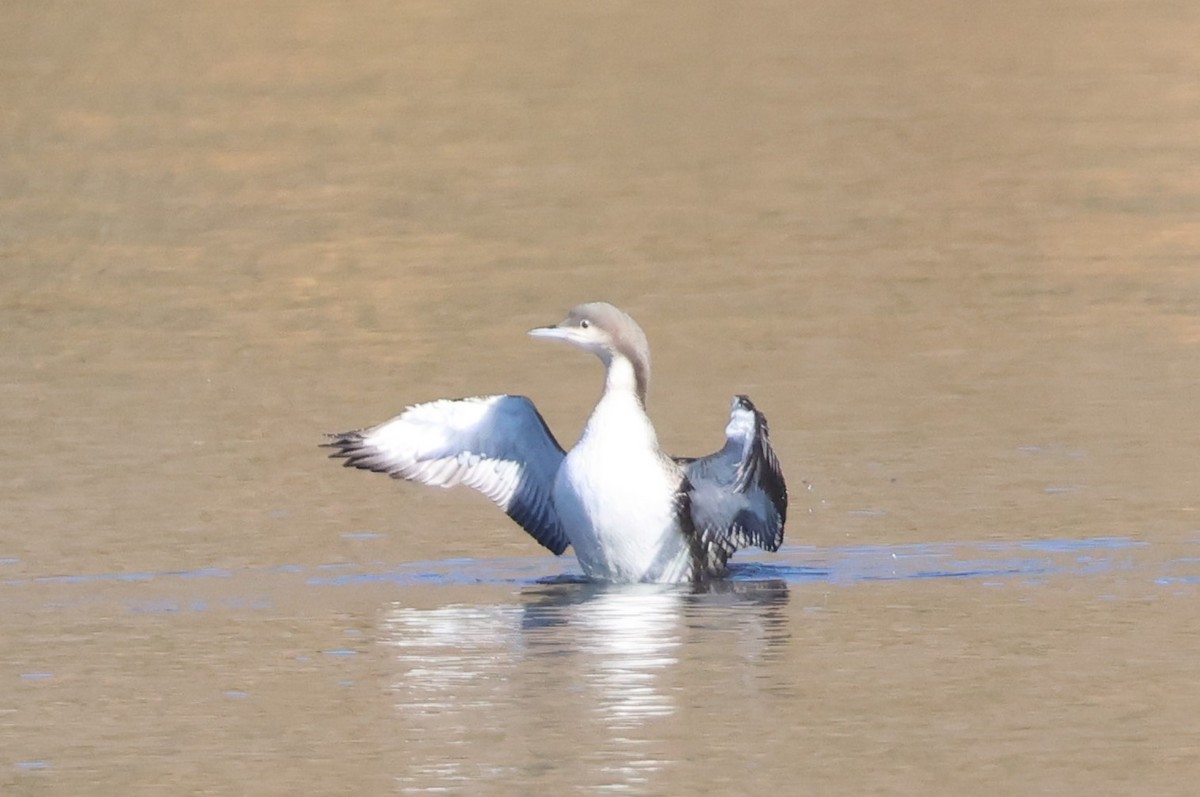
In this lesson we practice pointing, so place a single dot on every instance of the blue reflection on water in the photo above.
(986, 560)
(33, 765)
(995, 563)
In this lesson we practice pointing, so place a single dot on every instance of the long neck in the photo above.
(627, 376)
(619, 418)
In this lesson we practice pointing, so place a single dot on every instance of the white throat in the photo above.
(620, 377)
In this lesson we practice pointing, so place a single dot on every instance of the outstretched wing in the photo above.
(738, 496)
(499, 445)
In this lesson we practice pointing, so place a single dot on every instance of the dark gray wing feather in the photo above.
(737, 496)
(498, 445)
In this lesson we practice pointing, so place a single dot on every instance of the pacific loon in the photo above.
(631, 512)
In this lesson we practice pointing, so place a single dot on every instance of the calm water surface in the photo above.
(953, 254)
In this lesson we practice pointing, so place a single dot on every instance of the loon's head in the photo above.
(608, 333)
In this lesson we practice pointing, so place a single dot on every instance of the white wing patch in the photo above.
(498, 445)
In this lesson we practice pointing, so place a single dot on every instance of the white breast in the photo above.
(615, 496)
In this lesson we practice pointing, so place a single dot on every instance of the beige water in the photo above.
(952, 252)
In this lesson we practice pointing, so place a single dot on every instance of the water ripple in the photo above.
(993, 562)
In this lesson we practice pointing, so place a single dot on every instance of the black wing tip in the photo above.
(334, 439)
(354, 449)
(768, 472)
(345, 443)
(743, 403)
(774, 543)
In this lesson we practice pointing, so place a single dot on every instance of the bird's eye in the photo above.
(584, 324)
